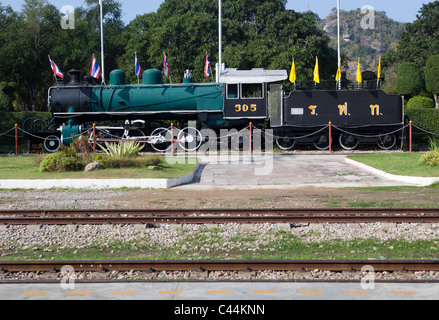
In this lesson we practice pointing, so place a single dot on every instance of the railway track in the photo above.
(221, 265)
(212, 216)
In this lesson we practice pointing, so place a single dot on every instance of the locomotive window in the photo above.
(232, 91)
(252, 91)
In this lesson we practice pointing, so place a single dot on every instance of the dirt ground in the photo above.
(297, 198)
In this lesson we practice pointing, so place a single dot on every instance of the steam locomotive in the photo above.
(143, 111)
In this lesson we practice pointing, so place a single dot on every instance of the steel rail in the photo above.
(204, 216)
(294, 211)
(222, 265)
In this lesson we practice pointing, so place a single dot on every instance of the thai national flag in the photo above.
(137, 69)
(165, 64)
(207, 66)
(95, 70)
(55, 69)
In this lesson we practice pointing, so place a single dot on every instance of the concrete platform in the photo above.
(224, 291)
(292, 171)
(272, 171)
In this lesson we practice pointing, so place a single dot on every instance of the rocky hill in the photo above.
(358, 41)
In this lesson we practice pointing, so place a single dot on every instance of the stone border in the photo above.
(420, 181)
(96, 184)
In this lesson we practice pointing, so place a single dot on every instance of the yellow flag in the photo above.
(379, 70)
(338, 75)
(316, 71)
(293, 73)
(359, 77)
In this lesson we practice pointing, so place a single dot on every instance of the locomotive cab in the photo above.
(246, 92)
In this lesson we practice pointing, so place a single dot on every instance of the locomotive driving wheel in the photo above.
(160, 139)
(52, 143)
(387, 141)
(285, 143)
(322, 142)
(190, 139)
(348, 141)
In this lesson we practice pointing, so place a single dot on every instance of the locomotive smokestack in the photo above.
(75, 77)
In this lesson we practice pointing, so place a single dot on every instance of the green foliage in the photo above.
(65, 159)
(122, 149)
(419, 102)
(8, 121)
(420, 38)
(124, 155)
(256, 34)
(28, 37)
(431, 158)
(409, 80)
(427, 119)
(138, 162)
(432, 77)
(432, 74)
(6, 96)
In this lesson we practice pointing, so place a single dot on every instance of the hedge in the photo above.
(427, 119)
(419, 102)
(8, 121)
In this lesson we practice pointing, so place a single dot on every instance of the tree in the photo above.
(432, 77)
(27, 38)
(409, 80)
(420, 38)
(256, 34)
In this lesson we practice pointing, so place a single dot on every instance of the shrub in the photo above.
(427, 119)
(419, 102)
(432, 77)
(122, 149)
(410, 80)
(65, 159)
(431, 158)
(117, 162)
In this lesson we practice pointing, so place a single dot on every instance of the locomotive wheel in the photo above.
(322, 142)
(190, 139)
(52, 143)
(348, 141)
(161, 139)
(286, 143)
(387, 142)
(136, 135)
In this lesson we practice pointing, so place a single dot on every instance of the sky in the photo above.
(402, 11)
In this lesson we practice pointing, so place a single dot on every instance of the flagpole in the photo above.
(338, 40)
(102, 42)
(379, 74)
(338, 30)
(220, 42)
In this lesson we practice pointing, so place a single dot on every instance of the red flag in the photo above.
(137, 68)
(95, 70)
(165, 64)
(207, 66)
(55, 69)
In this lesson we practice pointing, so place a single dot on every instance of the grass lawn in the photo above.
(203, 244)
(404, 164)
(24, 167)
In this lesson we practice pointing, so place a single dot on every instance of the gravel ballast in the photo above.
(46, 239)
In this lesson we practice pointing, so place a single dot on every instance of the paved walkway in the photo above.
(285, 171)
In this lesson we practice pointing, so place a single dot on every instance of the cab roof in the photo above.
(233, 75)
